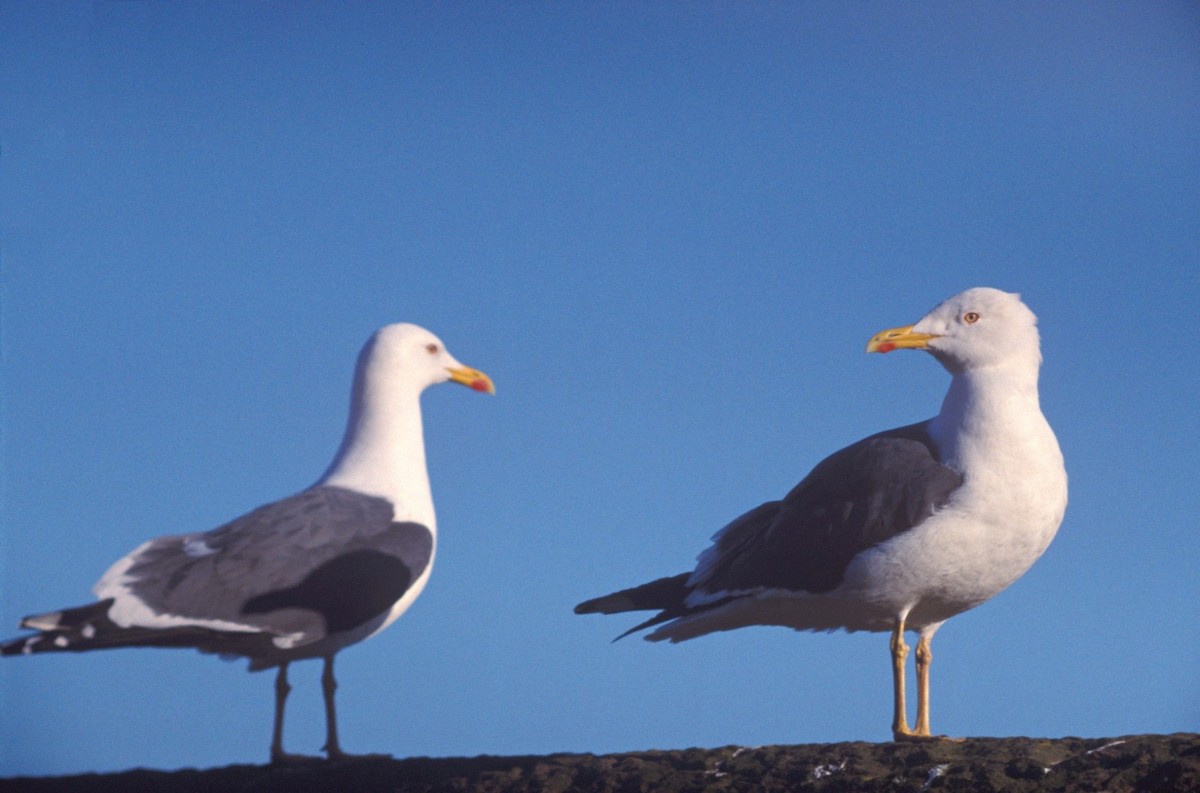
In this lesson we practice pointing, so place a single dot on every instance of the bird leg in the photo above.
(282, 689)
(900, 730)
(920, 731)
(332, 747)
(924, 659)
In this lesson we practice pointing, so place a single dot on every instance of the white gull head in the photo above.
(982, 327)
(383, 451)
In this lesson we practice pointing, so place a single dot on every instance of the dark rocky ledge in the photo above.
(1144, 763)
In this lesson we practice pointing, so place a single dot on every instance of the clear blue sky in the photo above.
(667, 231)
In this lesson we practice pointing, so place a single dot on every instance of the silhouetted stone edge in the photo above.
(1149, 763)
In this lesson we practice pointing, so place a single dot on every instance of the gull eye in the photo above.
(971, 317)
(431, 348)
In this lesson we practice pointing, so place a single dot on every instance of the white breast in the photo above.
(992, 530)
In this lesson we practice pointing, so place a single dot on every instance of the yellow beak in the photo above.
(899, 339)
(472, 378)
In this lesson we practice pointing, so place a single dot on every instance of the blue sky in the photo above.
(666, 231)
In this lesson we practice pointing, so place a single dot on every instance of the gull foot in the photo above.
(337, 755)
(912, 737)
(286, 758)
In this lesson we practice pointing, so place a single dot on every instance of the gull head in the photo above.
(979, 328)
(411, 355)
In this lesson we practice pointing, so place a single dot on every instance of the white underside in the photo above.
(927, 575)
(994, 527)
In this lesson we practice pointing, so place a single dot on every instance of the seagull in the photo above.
(902, 530)
(298, 578)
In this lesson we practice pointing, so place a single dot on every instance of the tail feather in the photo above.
(68, 619)
(88, 627)
(665, 593)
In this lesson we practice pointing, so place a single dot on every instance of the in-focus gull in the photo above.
(899, 531)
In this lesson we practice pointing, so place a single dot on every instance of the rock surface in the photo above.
(1147, 763)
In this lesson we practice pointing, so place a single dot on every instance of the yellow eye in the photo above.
(431, 348)
(970, 317)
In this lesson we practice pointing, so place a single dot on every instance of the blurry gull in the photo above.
(899, 531)
(302, 577)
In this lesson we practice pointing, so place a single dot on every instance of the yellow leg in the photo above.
(924, 659)
(899, 650)
(921, 730)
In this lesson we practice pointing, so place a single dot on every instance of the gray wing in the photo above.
(323, 561)
(854, 499)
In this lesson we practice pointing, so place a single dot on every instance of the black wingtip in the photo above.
(15, 646)
(663, 593)
(626, 633)
(594, 606)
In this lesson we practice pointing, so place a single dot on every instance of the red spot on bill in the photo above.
(887, 346)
